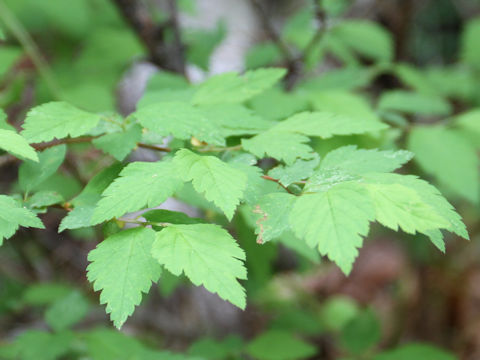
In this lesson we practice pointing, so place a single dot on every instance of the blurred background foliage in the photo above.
(410, 63)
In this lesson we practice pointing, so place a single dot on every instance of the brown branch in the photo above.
(167, 56)
(154, 147)
(266, 177)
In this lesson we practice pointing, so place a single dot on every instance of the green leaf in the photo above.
(15, 144)
(281, 145)
(122, 267)
(43, 199)
(414, 103)
(231, 88)
(345, 211)
(272, 212)
(470, 51)
(40, 345)
(67, 311)
(120, 144)
(201, 43)
(170, 217)
(260, 55)
(4, 125)
(218, 181)
(366, 38)
(179, 119)
(415, 351)
(279, 345)
(31, 173)
(57, 120)
(360, 161)
(361, 333)
(208, 256)
(141, 184)
(13, 215)
(337, 312)
(445, 154)
(84, 203)
(45, 293)
(299, 170)
(276, 104)
(235, 119)
(326, 124)
(397, 206)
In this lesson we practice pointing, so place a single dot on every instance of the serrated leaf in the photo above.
(272, 213)
(276, 104)
(446, 154)
(31, 173)
(397, 206)
(15, 144)
(208, 256)
(57, 120)
(279, 345)
(43, 199)
(218, 181)
(119, 144)
(429, 195)
(361, 161)
(414, 103)
(179, 119)
(13, 215)
(281, 145)
(122, 267)
(326, 124)
(299, 170)
(141, 184)
(232, 88)
(334, 221)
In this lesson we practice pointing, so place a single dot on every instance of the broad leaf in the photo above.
(279, 345)
(13, 215)
(122, 267)
(57, 120)
(119, 144)
(218, 181)
(208, 256)
(15, 144)
(414, 103)
(334, 221)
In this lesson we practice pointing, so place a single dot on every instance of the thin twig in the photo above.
(154, 147)
(266, 177)
(321, 29)
(32, 50)
(178, 48)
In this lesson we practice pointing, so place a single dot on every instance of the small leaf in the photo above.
(299, 170)
(218, 181)
(170, 217)
(122, 267)
(12, 216)
(414, 103)
(208, 256)
(67, 311)
(119, 144)
(15, 144)
(57, 120)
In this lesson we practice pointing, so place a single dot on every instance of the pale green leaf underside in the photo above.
(13, 215)
(140, 185)
(208, 256)
(57, 120)
(216, 180)
(123, 268)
